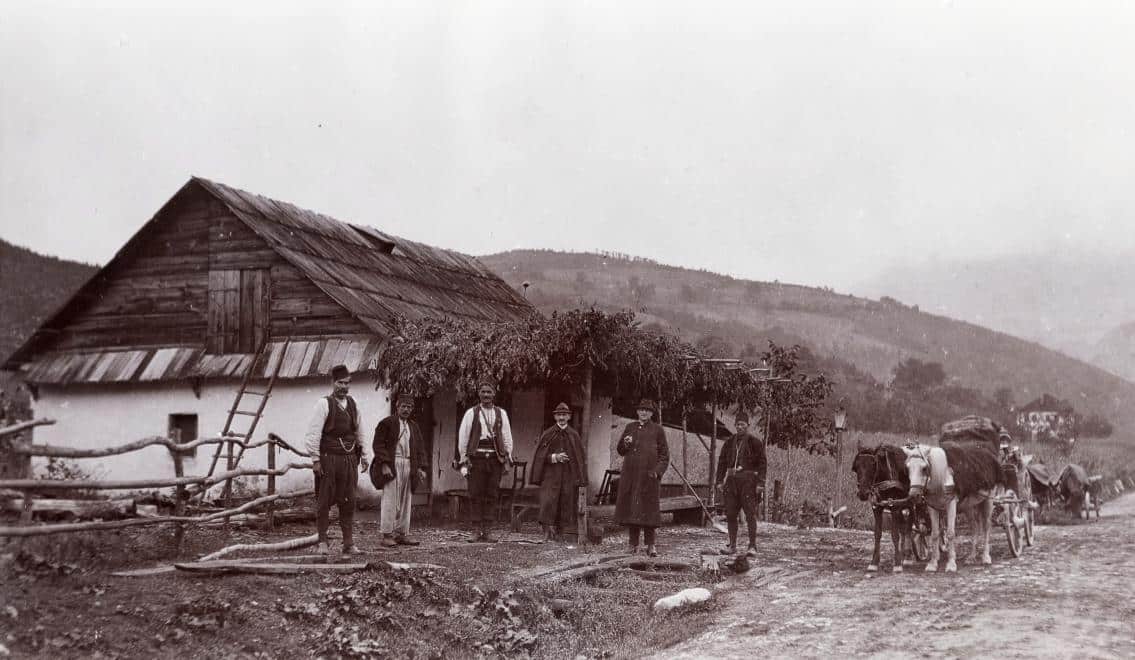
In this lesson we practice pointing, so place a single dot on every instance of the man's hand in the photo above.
(386, 471)
(422, 476)
(652, 475)
(317, 469)
(363, 465)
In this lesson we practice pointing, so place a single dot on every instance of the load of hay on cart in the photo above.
(1013, 504)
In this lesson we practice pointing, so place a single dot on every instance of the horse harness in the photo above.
(879, 487)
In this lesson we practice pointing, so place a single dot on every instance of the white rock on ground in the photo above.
(683, 598)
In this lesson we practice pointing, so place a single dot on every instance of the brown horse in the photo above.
(953, 477)
(881, 477)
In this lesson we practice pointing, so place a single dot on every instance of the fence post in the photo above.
(271, 481)
(179, 491)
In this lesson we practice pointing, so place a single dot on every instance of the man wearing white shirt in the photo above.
(338, 456)
(484, 443)
(400, 458)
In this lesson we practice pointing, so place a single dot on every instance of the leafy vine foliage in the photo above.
(430, 355)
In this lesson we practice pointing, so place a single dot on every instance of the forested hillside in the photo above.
(860, 342)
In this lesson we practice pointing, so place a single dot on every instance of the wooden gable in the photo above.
(195, 275)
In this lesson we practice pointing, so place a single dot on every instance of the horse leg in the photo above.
(951, 536)
(896, 538)
(935, 528)
(874, 565)
(908, 538)
(986, 510)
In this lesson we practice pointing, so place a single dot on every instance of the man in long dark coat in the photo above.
(332, 439)
(400, 457)
(741, 470)
(645, 459)
(557, 467)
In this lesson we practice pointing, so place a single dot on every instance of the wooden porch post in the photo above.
(272, 481)
(584, 509)
(713, 460)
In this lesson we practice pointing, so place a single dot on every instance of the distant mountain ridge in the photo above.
(1074, 301)
(32, 286)
(873, 336)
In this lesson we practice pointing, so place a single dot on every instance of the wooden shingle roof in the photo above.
(375, 276)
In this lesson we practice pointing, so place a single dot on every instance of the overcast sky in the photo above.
(802, 141)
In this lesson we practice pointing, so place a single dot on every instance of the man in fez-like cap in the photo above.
(400, 457)
(338, 456)
(741, 470)
(557, 467)
(484, 445)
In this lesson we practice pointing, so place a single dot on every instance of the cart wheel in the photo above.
(1012, 532)
(1030, 534)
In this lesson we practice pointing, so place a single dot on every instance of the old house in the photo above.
(1047, 418)
(160, 338)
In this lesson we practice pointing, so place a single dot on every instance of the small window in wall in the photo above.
(182, 429)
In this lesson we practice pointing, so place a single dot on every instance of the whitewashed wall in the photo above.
(89, 416)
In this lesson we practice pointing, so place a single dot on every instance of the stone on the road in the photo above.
(683, 598)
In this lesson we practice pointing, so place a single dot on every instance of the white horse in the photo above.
(953, 477)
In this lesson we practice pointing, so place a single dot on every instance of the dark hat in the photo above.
(562, 408)
(645, 404)
(339, 372)
(741, 417)
(404, 398)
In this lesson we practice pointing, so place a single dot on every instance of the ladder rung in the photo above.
(256, 393)
(233, 434)
(243, 412)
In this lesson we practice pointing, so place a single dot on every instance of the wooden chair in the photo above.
(519, 477)
(604, 496)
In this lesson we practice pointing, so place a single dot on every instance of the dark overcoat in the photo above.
(646, 456)
(386, 444)
(572, 445)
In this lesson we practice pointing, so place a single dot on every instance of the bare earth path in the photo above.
(1068, 596)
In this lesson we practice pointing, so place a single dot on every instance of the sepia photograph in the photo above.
(567, 329)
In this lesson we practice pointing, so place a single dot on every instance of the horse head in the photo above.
(865, 468)
(918, 469)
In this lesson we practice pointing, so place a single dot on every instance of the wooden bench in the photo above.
(685, 508)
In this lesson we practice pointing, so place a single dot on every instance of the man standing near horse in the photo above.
(332, 439)
(484, 443)
(399, 454)
(646, 456)
(557, 467)
(741, 469)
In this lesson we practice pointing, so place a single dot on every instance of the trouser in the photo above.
(337, 486)
(648, 532)
(740, 492)
(396, 500)
(484, 484)
(558, 493)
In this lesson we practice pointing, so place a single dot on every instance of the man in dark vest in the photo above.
(400, 456)
(646, 456)
(741, 469)
(337, 458)
(557, 467)
(484, 445)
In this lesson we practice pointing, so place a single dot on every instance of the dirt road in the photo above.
(1070, 595)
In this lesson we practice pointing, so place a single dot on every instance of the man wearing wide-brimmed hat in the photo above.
(741, 471)
(399, 460)
(338, 455)
(558, 469)
(645, 459)
(484, 445)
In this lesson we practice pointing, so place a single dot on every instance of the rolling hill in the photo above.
(873, 336)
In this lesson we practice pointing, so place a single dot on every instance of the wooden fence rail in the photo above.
(43, 530)
(56, 451)
(94, 484)
(22, 426)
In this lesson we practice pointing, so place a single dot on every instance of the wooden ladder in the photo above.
(226, 433)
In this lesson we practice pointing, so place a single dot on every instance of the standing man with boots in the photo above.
(557, 467)
(332, 439)
(741, 469)
(399, 454)
(646, 456)
(484, 443)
